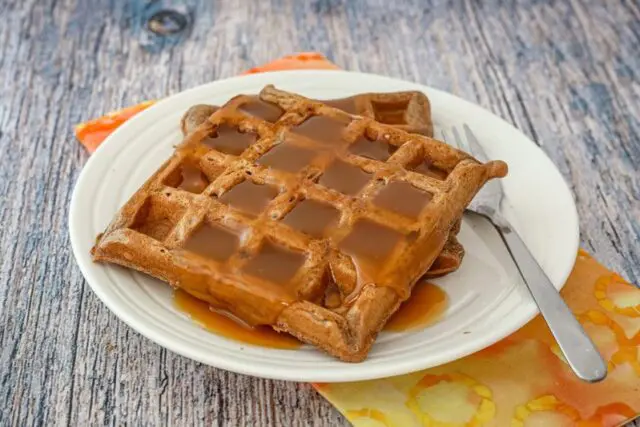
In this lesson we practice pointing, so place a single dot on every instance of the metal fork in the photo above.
(578, 350)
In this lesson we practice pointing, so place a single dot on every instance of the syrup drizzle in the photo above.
(228, 326)
(425, 307)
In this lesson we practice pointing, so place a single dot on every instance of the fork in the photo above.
(577, 348)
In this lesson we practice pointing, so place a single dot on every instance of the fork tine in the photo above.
(445, 137)
(460, 142)
(475, 149)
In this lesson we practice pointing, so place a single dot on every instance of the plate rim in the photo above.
(223, 362)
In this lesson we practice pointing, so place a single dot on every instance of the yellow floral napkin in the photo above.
(523, 379)
(520, 381)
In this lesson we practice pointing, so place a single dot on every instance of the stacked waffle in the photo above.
(316, 218)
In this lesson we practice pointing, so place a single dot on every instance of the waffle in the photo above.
(310, 237)
(409, 111)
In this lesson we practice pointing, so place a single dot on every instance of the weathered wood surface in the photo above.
(565, 72)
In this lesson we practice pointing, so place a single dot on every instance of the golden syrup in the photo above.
(425, 307)
(223, 324)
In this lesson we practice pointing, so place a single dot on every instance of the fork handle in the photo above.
(577, 347)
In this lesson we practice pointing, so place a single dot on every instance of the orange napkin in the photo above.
(92, 133)
(522, 380)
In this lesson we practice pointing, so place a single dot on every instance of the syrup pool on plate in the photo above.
(425, 307)
(222, 324)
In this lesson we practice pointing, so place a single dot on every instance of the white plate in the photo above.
(487, 299)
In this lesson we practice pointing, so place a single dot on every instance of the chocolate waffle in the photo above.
(310, 237)
(409, 111)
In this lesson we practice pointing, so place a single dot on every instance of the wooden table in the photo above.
(564, 72)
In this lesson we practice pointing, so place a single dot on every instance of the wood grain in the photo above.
(564, 72)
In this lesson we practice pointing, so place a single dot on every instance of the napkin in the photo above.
(521, 380)
(92, 133)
